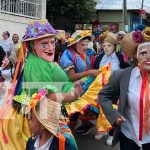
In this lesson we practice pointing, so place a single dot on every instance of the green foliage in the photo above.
(77, 11)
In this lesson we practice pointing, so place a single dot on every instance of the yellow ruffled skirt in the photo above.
(90, 99)
(14, 131)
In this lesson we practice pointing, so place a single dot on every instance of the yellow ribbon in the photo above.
(86, 33)
(71, 41)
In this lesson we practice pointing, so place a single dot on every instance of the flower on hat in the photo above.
(39, 28)
(71, 40)
(85, 33)
(36, 97)
(146, 34)
(137, 37)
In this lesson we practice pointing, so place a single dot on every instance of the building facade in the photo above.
(15, 14)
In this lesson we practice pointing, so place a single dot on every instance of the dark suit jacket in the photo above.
(116, 88)
(54, 145)
(99, 57)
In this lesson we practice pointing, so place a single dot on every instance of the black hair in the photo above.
(6, 33)
(15, 34)
(87, 38)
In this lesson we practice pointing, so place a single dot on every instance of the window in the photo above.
(27, 8)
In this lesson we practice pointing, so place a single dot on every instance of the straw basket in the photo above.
(129, 46)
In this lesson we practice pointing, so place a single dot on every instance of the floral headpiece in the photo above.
(36, 97)
(78, 35)
(133, 39)
(38, 29)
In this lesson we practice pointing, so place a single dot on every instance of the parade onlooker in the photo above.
(14, 47)
(131, 87)
(6, 42)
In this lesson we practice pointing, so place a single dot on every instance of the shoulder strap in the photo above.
(73, 59)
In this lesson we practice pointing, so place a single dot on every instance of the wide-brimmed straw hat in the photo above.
(111, 38)
(38, 29)
(132, 40)
(48, 114)
(79, 35)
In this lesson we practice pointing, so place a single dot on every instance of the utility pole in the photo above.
(125, 15)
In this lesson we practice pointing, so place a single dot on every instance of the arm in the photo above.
(77, 76)
(67, 97)
(109, 95)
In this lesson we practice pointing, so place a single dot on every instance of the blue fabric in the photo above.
(66, 60)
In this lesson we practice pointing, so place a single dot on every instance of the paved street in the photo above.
(89, 143)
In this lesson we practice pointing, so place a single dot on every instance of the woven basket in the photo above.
(129, 47)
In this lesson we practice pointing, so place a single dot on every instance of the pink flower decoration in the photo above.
(137, 37)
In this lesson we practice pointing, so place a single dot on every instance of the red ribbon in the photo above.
(144, 89)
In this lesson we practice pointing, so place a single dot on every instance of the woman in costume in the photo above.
(38, 68)
(75, 67)
(78, 61)
(131, 87)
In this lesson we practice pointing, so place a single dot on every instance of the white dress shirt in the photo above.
(113, 60)
(46, 146)
(130, 128)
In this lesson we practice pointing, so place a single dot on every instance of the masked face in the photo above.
(45, 48)
(143, 56)
(82, 46)
(108, 48)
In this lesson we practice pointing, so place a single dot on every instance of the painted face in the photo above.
(108, 48)
(82, 46)
(143, 56)
(45, 48)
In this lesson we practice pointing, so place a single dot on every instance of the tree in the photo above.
(70, 11)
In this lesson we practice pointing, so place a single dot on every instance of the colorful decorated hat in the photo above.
(79, 35)
(133, 39)
(112, 38)
(47, 112)
(39, 29)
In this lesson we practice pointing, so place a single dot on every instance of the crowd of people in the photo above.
(51, 79)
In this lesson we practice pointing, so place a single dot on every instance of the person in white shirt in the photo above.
(6, 42)
(131, 86)
(110, 55)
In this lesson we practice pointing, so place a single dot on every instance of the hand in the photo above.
(120, 120)
(78, 89)
(94, 72)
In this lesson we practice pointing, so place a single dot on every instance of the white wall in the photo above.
(13, 24)
(17, 24)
